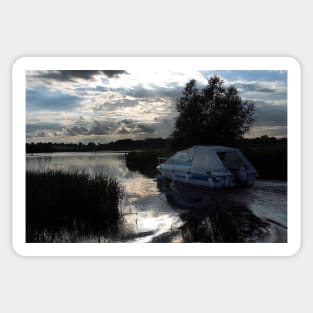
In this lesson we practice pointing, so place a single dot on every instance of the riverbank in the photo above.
(66, 206)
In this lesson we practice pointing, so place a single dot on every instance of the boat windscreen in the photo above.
(184, 155)
(206, 161)
(231, 160)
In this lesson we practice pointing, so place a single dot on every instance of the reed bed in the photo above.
(66, 206)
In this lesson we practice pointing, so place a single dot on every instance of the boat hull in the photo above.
(214, 180)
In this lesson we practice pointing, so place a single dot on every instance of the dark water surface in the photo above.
(157, 211)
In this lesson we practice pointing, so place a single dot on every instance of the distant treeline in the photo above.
(129, 145)
(120, 145)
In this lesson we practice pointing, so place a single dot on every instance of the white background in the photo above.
(160, 28)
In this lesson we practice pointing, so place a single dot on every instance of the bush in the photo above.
(146, 162)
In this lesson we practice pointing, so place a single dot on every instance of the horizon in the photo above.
(144, 139)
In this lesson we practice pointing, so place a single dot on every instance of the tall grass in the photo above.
(72, 203)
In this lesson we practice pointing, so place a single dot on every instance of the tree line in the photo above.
(130, 145)
(119, 145)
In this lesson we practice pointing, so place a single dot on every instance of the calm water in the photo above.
(175, 213)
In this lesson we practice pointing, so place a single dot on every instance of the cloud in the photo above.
(76, 131)
(33, 127)
(275, 131)
(143, 128)
(123, 131)
(127, 126)
(74, 75)
(252, 75)
(43, 98)
(254, 87)
(140, 91)
(101, 128)
(260, 88)
(113, 73)
(126, 121)
(270, 115)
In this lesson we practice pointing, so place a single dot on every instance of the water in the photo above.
(158, 212)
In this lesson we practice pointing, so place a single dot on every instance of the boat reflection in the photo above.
(217, 216)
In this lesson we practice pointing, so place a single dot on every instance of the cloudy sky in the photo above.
(106, 105)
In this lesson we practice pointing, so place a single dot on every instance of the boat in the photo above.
(209, 166)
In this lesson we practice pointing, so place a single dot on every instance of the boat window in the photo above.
(184, 155)
(231, 160)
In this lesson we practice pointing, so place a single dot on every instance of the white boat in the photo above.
(210, 166)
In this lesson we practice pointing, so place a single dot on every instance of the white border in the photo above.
(156, 249)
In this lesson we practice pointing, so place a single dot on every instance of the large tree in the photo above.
(214, 115)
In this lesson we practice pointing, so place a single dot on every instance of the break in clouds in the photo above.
(107, 105)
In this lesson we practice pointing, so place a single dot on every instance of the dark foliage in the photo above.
(146, 162)
(214, 115)
(120, 145)
(75, 203)
(268, 155)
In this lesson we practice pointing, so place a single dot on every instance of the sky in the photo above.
(107, 105)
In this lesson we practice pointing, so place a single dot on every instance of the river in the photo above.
(154, 212)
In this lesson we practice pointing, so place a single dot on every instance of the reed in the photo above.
(74, 204)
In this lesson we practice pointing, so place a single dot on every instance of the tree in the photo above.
(214, 115)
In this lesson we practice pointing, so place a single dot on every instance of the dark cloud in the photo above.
(254, 87)
(42, 98)
(76, 131)
(144, 128)
(96, 127)
(113, 73)
(128, 126)
(101, 128)
(33, 127)
(115, 104)
(42, 133)
(270, 115)
(140, 92)
(252, 75)
(135, 128)
(126, 121)
(83, 127)
(123, 131)
(73, 75)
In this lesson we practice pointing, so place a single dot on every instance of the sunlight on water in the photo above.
(140, 186)
(146, 214)
(180, 213)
